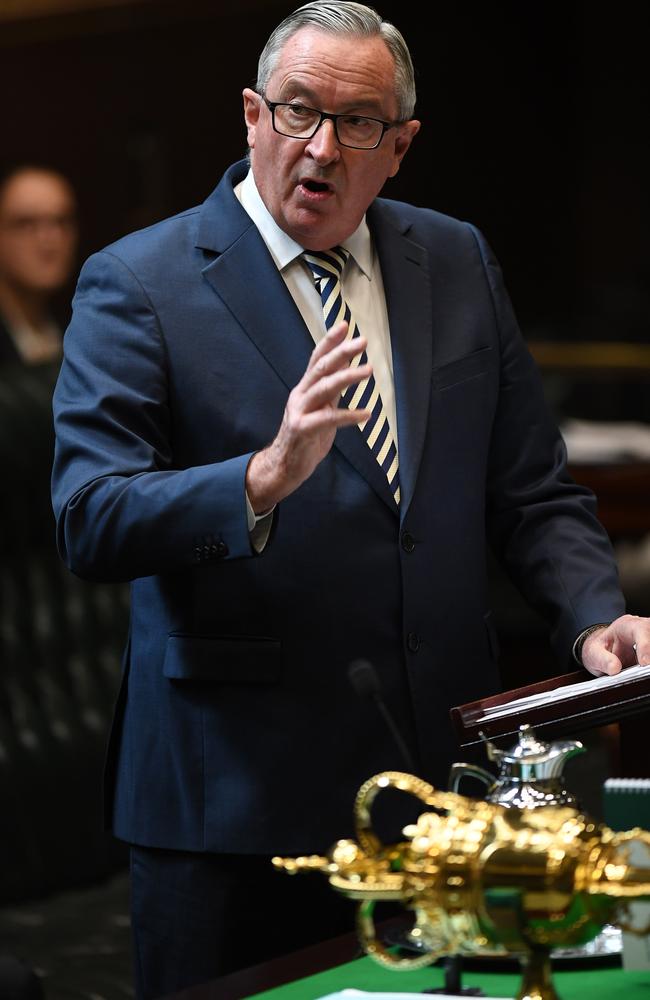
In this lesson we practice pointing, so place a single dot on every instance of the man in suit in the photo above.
(203, 455)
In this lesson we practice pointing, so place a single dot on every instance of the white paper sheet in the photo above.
(358, 994)
(566, 692)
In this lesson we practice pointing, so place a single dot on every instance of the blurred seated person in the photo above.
(38, 244)
(18, 981)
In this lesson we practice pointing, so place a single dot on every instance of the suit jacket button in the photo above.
(408, 542)
(413, 642)
(222, 550)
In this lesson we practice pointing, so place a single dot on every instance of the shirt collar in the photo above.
(282, 247)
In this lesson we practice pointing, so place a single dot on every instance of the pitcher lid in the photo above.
(531, 750)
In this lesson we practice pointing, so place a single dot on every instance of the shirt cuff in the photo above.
(259, 526)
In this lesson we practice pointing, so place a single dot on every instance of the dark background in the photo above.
(535, 122)
(534, 128)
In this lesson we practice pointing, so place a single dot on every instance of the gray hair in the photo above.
(344, 18)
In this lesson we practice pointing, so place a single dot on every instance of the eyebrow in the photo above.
(371, 108)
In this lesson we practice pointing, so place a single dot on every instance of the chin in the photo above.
(49, 285)
(316, 239)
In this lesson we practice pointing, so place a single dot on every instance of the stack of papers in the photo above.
(357, 994)
(567, 691)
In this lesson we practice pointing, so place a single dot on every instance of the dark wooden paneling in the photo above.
(140, 103)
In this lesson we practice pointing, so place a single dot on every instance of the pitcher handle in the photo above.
(459, 770)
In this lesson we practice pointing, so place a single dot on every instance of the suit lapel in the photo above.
(244, 276)
(405, 273)
(247, 281)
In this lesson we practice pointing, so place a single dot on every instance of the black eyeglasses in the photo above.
(298, 122)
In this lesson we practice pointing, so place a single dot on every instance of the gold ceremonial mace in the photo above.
(477, 874)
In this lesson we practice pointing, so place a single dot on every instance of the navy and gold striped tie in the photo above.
(326, 267)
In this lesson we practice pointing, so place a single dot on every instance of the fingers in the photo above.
(643, 657)
(631, 639)
(625, 642)
(599, 660)
(311, 419)
(635, 636)
(332, 338)
(642, 651)
(334, 350)
(330, 372)
(333, 418)
(328, 388)
(597, 655)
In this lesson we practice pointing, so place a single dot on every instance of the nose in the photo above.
(323, 146)
(51, 234)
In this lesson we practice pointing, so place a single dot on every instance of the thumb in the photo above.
(597, 658)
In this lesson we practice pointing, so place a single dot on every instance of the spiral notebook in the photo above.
(626, 803)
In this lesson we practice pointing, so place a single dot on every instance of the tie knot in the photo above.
(326, 263)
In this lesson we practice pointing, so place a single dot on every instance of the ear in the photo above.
(403, 139)
(252, 104)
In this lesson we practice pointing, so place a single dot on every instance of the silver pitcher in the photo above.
(529, 775)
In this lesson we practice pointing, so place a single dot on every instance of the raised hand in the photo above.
(311, 419)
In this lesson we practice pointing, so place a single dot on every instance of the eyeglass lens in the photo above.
(352, 130)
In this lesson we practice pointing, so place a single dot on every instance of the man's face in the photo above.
(316, 189)
(38, 232)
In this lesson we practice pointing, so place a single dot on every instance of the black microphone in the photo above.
(365, 681)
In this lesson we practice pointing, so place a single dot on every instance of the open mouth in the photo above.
(315, 187)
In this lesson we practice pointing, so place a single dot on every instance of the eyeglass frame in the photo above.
(327, 116)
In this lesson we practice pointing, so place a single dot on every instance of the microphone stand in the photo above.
(365, 680)
(453, 966)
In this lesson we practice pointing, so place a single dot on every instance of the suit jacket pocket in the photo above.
(462, 369)
(231, 659)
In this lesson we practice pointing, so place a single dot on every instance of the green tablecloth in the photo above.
(364, 974)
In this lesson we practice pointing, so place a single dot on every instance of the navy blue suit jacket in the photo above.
(236, 728)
